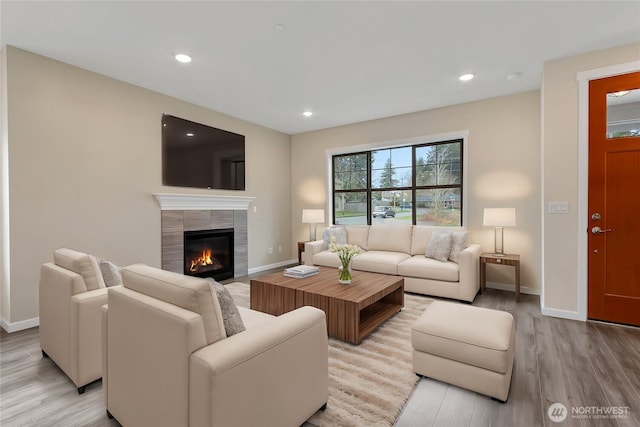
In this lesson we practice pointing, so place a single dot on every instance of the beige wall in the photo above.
(559, 96)
(4, 182)
(504, 168)
(85, 158)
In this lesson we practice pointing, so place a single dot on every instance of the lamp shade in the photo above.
(312, 216)
(499, 217)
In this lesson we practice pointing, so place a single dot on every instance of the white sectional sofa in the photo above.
(400, 250)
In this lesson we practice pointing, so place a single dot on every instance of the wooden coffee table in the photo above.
(353, 311)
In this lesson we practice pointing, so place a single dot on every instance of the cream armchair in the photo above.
(168, 361)
(72, 291)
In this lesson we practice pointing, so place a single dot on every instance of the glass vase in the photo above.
(344, 273)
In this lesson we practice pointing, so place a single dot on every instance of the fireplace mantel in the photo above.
(186, 202)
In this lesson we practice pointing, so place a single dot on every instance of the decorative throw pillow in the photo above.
(110, 273)
(230, 315)
(459, 243)
(439, 246)
(339, 233)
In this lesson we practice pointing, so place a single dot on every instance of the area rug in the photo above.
(369, 384)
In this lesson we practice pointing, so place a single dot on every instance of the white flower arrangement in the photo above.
(345, 252)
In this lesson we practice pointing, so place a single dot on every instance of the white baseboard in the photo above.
(271, 266)
(563, 314)
(552, 312)
(19, 326)
(512, 288)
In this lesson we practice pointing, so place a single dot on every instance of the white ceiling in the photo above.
(346, 61)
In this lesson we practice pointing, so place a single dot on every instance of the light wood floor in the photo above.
(574, 363)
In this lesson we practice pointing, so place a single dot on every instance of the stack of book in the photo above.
(301, 271)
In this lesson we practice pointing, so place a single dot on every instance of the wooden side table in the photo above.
(300, 250)
(489, 258)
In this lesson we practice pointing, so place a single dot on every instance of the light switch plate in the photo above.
(558, 207)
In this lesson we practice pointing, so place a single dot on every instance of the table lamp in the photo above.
(312, 217)
(499, 218)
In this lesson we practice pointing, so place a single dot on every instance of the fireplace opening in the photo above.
(209, 253)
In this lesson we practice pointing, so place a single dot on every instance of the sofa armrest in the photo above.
(280, 366)
(310, 249)
(469, 272)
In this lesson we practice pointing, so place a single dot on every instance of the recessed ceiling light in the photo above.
(189, 134)
(181, 57)
(514, 76)
(307, 114)
(466, 77)
(280, 27)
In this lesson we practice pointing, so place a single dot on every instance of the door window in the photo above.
(623, 114)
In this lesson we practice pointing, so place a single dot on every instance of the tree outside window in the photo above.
(350, 183)
(438, 187)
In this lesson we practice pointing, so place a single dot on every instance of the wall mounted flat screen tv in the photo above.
(199, 156)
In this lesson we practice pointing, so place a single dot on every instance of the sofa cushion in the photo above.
(358, 235)
(459, 242)
(439, 246)
(419, 238)
(83, 264)
(337, 232)
(191, 293)
(379, 261)
(422, 267)
(327, 259)
(252, 318)
(230, 314)
(390, 238)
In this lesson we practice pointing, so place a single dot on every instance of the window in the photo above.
(351, 188)
(413, 184)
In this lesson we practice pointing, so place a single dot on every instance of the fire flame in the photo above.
(202, 261)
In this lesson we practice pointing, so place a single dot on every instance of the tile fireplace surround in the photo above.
(188, 212)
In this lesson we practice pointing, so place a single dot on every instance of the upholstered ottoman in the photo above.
(470, 347)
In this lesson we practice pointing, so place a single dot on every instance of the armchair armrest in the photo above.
(86, 334)
(104, 316)
(59, 321)
(91, 298)
(149, 343)
(280, 366)
(469, 271)
(55, 280)
(310, 249)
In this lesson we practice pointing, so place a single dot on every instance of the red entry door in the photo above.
(614, 200)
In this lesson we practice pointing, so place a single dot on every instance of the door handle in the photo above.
(598, 230)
